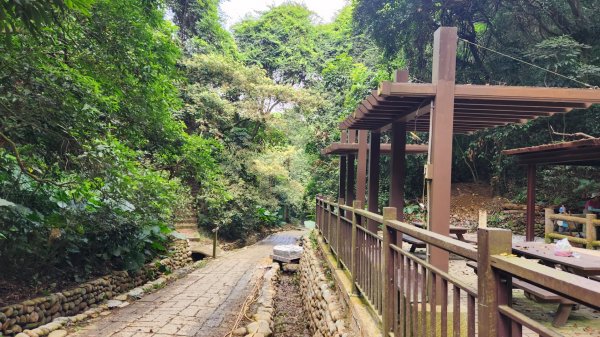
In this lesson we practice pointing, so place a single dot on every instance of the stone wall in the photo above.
(33, 313)
(326, 312)
(262, 320)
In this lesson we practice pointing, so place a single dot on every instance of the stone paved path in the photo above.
(202, 304)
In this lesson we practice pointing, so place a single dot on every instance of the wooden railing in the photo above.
(589, 222)
(411, 297)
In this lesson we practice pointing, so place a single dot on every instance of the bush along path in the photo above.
(37, 317)
(204, 303)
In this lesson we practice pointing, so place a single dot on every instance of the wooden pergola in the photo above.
(584, 152)
(444, 108)
(348, 149)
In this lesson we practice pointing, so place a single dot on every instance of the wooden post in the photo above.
(216, 230)
(548, 224)
(398, 170)
(530, 229)
(401, 75)
(491, 290)
(350, 159)
(356, 204)
(440, 141)
(482, 218)
(321, 216)
(343, 163)
(398, 161)
(326, 219)
(338, 234)
(590, 229)
(330, 224)
(317, 211)
(361, 166)
(387, 270)
(374, 154)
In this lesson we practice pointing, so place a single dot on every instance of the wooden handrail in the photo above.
(493, 256)
(447, 243)
(369, 215)
(589, 221)
(571, 218)
(346, 208)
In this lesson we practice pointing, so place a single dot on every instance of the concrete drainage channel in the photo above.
(298, 301)
(289, 316)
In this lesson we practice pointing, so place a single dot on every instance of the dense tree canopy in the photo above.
(116, 116)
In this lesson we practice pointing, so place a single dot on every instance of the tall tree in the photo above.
(200, 28)
(281, 41)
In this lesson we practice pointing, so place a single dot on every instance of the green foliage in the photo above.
(90, 146)
(281, 41)
(113, 120)
(561, 36)
(33, 15)
(115, 214)
(200, 28)
(243, 110)
(313, 238)
(266, 217)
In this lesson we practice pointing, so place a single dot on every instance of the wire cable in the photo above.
(529, 64)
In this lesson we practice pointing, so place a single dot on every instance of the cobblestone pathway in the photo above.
(201, 304)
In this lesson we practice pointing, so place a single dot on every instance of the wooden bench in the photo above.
(414, 242)
(541, 295)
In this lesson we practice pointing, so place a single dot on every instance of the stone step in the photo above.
(189, 233)
(186, 226)
(188, 219)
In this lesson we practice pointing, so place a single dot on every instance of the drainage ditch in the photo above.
(290, 320)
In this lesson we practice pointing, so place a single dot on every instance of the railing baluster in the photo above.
(368, 267)
(423, 320)
(444, 311)
(471, 316)
(402, 303)
(516, 329)
(432, 304)
(396, 294)
(415, 299)
(456, 311)
(409, 312)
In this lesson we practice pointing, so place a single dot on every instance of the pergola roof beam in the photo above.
(519, 93)
(567, 153)
(385, 148)
(532, 104)
(508, 109)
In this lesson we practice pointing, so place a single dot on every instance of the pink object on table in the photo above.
(563, 253)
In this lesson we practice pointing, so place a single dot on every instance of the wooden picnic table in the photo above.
(535, 293)
(588, 263)
(458, 231)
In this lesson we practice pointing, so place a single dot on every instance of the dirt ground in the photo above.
(468, 199)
